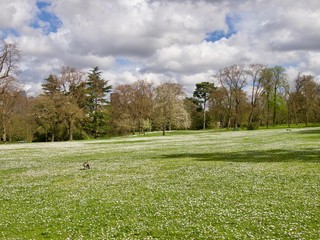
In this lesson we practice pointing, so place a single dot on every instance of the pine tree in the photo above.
(52, 85)
(96, 102)
(202, 94)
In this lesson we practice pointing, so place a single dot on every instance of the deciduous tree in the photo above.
(132, 103)
(8, 100)
(233, 79)
(305, 98)
(60, 101)
(255, 72)
(279, 81)
(48, 114)
(169, 108)
(9, 62)
(267, 83)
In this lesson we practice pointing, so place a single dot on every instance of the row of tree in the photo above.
(271, 99)
(257, 95)
(76, 105)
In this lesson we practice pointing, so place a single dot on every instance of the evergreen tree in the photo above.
(52, 85)
(96, 102)
(202, 94)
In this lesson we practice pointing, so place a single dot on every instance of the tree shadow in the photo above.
(309, 131)
(256, 156)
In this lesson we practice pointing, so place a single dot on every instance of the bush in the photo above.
(252, 126)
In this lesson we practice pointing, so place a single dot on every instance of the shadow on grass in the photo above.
(309, 131)
(306, 155)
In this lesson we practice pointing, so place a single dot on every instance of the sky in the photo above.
(184, 41)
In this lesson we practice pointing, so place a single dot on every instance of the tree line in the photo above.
(78, 105)
(256, 95)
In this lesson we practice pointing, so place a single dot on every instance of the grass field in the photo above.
(262, 184)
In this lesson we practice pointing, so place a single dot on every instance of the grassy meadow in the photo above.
(262, 184)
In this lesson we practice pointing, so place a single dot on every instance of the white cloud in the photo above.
(163, 39)
(135, 28)
(15, 14)
(194, 57)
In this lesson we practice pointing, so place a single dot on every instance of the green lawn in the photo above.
(262, 184)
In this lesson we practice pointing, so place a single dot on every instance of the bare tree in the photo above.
(121, 109)
(266, 77)
(255, 72)
(132, 106)
(71, 78)
(304, 98)
(219, 107)
(142, 102)
(9, 61)
(8, 99)
(233, 79)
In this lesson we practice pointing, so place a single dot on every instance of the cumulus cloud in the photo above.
(161, 40)
(15, 14)
(136, 28)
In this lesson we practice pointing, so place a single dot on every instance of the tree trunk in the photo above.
(252, 106)
(52, 136)
(274, 106)
(4, 136)
(70, 131)
(268, 111)
(164, 129)
(204, 115)
(229, 118)
(236, 117)
(250, 117)
(289, 114)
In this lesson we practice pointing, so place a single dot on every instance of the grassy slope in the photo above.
(205, 185)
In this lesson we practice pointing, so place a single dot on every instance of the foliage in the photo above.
(233, 79)
(169, 109)
(305, 98)
(252, 126)
(70, 105)
(75, 104)
(132, 106)
(194, 109)
(202, 93)
(96, 103)
(48, 114)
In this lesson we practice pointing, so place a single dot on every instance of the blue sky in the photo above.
(46, 20)
(219, 34)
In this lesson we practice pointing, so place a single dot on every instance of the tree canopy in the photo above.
(79, 105)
